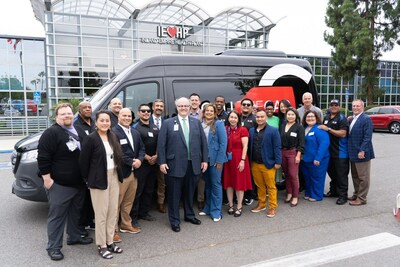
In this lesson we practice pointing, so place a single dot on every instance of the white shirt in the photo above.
(187, 122)
(128, 134)
(354, 121)
(155, 121)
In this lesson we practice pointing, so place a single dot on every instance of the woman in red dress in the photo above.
(237, 169)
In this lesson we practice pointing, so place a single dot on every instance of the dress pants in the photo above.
(291, 171)
(338, 171)
(160, 186)
(105, 205)
(360, 172)
(65, 204)
(127, 192)
(264, 179)
(146, 180)
(181, 187)
(213, 190)
(314, 177)
(201, 189)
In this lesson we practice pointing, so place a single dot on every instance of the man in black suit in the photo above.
(183, 155)
(157, 119)
(133, 155)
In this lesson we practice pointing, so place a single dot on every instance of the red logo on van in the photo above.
(262, 94)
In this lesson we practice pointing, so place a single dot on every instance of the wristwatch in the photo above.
(329, 129)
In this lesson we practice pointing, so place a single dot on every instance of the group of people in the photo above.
(107, 169)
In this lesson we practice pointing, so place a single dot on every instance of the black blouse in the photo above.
(294, 137)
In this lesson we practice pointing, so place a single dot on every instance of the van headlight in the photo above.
(29, 156)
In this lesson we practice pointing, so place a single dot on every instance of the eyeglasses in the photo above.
(246, 105)
(310, 117)
(145, 110)
(183, 106)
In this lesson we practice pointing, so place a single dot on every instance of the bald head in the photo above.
(115, 105)
(125, 117)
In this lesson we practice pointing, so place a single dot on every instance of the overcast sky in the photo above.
(299, 30)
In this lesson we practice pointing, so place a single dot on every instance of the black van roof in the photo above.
(200, 60)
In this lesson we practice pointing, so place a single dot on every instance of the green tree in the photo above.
(361, 31)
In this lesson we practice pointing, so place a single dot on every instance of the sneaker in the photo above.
(130, 229)
(55, 254)
(258, 209)
(90, 226)
(217, 219)
(202, 213)
(271, 213)
(117, 238)
(248, 201)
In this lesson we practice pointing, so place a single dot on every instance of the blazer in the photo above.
(172, 149)
(316, 145)
(217, 144)
(93, 162)
(271, 151)
(128, 154)
(360, 139)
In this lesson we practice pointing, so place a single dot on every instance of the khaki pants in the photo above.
(105, 206)
(360, 172)
(127, 192)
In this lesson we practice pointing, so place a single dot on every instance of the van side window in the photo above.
(232, 90)
(140, 93)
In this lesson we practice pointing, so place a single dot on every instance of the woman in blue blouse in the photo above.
(316, 156)
(215, 132)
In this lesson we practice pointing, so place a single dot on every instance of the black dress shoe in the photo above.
(341, 201)
(330, 194)
(176, 228)
(82, 241)
(55, 254)
(193, 221)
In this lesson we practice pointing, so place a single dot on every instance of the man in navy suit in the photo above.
(183, 155)
(133, 155)
(361, 152)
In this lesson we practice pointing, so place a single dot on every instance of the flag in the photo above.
(17, 40)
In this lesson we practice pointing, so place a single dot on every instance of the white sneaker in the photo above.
(202, 213)
(217, 219)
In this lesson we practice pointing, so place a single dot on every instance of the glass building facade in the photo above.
(88, 41)
(23, 108)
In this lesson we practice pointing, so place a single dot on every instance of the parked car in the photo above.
(11, 112)
(385, 118)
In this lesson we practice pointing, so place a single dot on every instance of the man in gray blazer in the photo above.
(183, 155)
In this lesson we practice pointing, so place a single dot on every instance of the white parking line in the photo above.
(334, 252)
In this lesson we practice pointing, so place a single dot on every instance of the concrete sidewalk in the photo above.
(7, 143)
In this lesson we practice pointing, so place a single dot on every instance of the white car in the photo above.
(11, 112)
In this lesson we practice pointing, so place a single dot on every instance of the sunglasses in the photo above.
(145, 110)
(246, 105)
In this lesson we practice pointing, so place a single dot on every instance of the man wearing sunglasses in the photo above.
(249, 121)
(337, 126)
(147, 173)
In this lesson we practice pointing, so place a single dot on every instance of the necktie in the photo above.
(158, 123)
(186, 134)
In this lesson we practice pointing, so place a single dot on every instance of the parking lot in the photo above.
(249, 239)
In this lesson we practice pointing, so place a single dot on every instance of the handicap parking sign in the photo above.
(36, 97)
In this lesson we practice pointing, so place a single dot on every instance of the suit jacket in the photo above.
(316, 145)
(128, 154)
(271, 146)
(360, 139)
(217, 144)
(172, 149)
(93, 162)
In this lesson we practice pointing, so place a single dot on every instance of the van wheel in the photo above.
(394, 127)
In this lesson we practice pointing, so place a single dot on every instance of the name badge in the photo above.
(71, 145)
(242, 123)
(123, 141)
(326, 122)
(87, 132)
(293, 134)
(176, 127)
(150, 134)
(310, 134)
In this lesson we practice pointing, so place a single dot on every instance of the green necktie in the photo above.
(186, 134)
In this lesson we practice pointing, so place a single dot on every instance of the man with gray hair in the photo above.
(182, 151)
(307, 105)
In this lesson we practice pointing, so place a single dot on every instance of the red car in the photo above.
(385, 118)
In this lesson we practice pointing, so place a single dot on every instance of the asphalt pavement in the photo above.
(251, 239)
